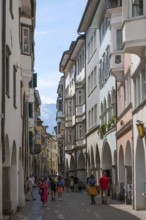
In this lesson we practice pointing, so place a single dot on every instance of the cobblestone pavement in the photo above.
(76, 206)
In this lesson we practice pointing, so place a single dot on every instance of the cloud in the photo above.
(56, 26)
(45, 99)
(38, 33)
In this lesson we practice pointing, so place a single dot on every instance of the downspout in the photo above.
(86, 158)
(2, 99)
(3, 74)
(3, 71)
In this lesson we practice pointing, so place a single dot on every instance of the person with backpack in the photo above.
(92, 190)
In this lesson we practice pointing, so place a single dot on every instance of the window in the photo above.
(26, 45)
(88, 51)
(8, 53)
(95, 114)
(119, 39)
(14, 86)
(89, 115)
(103, 28)
(94, 79)
(89, 86)
(21, 103)
(30, 105)
(69, 107)
(30, 140)
(143, 72)
(79, 97)
(140, 86)
(59, 105)
(69, 136)
(80, 131)
(137, 8)
(59, 127)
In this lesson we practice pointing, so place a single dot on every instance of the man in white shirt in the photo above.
(31, 184)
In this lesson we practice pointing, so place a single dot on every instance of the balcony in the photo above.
(117, 65)
(69, 149)
(134, 35)
(81, 143)
(80, 110)
(70, 121)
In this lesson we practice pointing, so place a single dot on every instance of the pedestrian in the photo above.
(92, 190)
(53, 185)
(104, 184)
(30, 185)
(67, 183)
(44, 192)
(72, 183)
(76, 183)
(60, 187)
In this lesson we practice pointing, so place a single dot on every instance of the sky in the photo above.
(57, 22)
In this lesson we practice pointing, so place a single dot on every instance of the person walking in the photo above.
(104, 184)
(92, 191)
(72, 183)
(60, 187)
(76, 183)
(53, 185)
(30, 185)
(67, 183)
(44, 192)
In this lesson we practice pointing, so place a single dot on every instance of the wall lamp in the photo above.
(140, 128)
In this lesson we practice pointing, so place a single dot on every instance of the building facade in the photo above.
(114, 96)
(17, 59)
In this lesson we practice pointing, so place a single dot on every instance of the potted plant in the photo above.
(102, 129)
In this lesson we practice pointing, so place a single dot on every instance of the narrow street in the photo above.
(76, 206)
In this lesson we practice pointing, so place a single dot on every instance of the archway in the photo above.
(81, 167)
(72, 166)
(128, 172)
(92, 162)
(21, 180)
(107, 161)
(121, 174)
(139, 175)
(97, 159)
(66, 166)
(7, 203)
(13, 177)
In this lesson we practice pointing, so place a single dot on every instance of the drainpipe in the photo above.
(2, 101)
(85, 106)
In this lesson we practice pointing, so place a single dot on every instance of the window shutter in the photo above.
(34, 80)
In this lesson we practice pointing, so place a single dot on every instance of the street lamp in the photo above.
(140, 129)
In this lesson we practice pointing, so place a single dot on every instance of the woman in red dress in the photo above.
(44, 194)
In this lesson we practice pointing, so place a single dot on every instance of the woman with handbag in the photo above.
(92, 190)
(44, 192)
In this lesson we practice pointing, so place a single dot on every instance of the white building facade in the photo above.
(17, 66)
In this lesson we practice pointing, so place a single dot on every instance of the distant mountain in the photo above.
(48, 116)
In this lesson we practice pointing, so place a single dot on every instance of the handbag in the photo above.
(92, 190)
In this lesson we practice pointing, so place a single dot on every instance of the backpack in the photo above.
(92, 182)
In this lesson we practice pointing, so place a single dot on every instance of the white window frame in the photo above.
(69, 107)
(26, 42)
